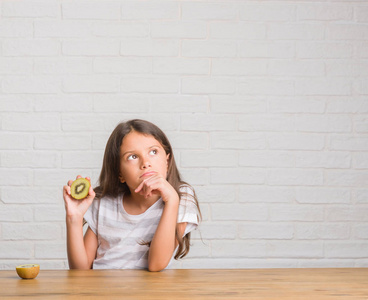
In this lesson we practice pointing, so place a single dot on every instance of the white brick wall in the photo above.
(265, 102)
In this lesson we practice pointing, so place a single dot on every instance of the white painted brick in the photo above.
(62, 103)
(237, 30)
(62, 66)
(207, 85)
(360, 86)
(361, 123)
(91, 84)
(149, 47)
(50, 213)
(16, 249)
(188, 140)
(52, 249)
(237, 104)
(263, 12)
(295, 177)
(15, 177)
(323, 159)
(360, 160)
(183, 66)
(266, 159)
(324, 49)
(10, 103)
(205, 122)
(34, 231)
(341, 67)
(31, 47)
(215, 193)
(303, 213)
(46, 264)
(195, 176)
(101, 47)
(267, 122)
(266, 86)
(15, 141)
(292, 105)
(62, 142)
(58, 177)
(106, 10)
(116, 103)
(31, 84)
(81, 122)
(216, 158)
(295, 31)
(341, 249)
(307, 68)
(361, 49)
(326, 263)
(348, 142)
(318, 86)
(208, 48)
(31, 122)
(347, 31)
(179, 104)
(260, 231)
(199, 249)
(16, 28)
(33, 9)
(91, 159)
(238, 176)
(357, 213)
(30, 159)
(99, 140)
(322, 231)
(239, 67)
(121, 29)
(150, 85)
(237, 140)
(347, 106)
(266, 194)
(324, 12)
(184, 30)
(216, 230)
(149, 10)
(360, 195)
(242, 248)
(15, 213)
(131, 65)
(360, 13)
(323, 195)
(15, 66)
(360, 231)
(28, 195)
(352, 178)
(266, 49)
(295, 249)
(62, 29)
(208, 11)
(292, 141)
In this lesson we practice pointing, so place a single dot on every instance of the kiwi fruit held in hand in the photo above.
(79, 188)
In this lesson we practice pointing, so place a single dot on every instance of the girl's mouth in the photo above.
(149, 173)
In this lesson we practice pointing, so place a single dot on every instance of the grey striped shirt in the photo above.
(120, 234)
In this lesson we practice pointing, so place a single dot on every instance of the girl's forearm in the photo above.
(77, 256)
(164, 241)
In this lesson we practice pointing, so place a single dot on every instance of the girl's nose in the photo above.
(146, 164)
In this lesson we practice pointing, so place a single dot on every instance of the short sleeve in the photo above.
(91, 215)
(188, 211)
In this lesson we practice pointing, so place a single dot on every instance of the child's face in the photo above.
(141, 156)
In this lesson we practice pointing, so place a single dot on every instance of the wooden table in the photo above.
(189, 284)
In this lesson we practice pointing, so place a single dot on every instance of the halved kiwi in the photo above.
(79, 188)
(28, 271)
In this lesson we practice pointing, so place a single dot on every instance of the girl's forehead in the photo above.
(136, 139)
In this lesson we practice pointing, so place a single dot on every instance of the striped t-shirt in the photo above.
(120, 235)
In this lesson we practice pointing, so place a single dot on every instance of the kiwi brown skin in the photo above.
(80, 188)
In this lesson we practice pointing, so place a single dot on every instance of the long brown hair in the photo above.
(110, 185)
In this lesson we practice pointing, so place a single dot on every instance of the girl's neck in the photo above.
(135, 204)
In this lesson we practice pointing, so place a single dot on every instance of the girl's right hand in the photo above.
(75, 209)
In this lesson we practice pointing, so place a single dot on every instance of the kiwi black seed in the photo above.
(79, 189)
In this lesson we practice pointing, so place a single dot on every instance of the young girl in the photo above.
(140, 212)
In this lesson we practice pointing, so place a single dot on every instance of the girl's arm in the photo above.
(81, 251)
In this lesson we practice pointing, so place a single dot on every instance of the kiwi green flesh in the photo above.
(80, 188)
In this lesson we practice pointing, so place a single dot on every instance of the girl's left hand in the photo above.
(156, 184)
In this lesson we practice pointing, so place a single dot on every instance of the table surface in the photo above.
(342, 283)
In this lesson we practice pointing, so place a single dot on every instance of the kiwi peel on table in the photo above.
(79, 188)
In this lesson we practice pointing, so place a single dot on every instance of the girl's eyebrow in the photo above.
(132, 151)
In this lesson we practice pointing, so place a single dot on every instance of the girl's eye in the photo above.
(131, 157)
(153, 151)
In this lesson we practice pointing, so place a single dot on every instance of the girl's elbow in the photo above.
(156, 267)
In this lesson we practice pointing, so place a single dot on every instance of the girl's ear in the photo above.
(121, 178)
(167, 160)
